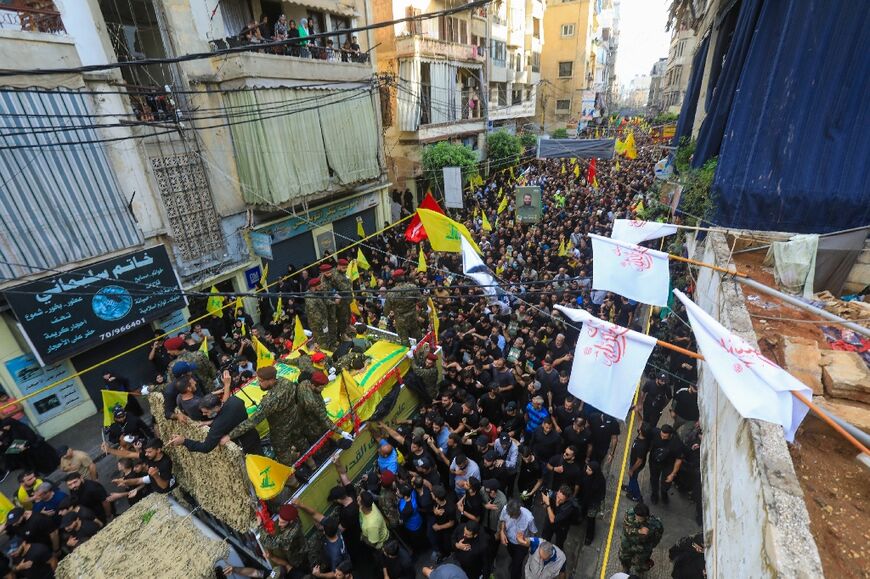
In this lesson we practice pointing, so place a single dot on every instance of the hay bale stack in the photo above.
(217, 480)
(148, 540)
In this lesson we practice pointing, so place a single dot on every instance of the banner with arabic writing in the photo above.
(74, 311)
(636, 272)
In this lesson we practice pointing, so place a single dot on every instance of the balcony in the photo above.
(418, 45)
(31, 16)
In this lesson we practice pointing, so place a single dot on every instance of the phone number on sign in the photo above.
(122, 329)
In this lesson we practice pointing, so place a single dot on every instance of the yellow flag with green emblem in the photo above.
(5, 506)
(361, 260)
(421, 262)
(264, 356)
(359, 228)
(279, 310)
(503, 205)
(299, 336)
(263, 278)
(444, 233)
(433, 317)
(204, 346)
(563, 251)
(239, 306)
(485, 222)
(215, 303)
(373, 282)
(112, 400)
(352, 272)
(267, 475)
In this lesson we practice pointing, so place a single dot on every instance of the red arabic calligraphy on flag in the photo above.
(755, 386)
(636, 231)
(638, 273)
(608, 362)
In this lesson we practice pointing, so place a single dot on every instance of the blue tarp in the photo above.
(570, 148)
(690, 101)
(792, 118)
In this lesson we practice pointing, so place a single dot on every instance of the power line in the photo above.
(240, 49)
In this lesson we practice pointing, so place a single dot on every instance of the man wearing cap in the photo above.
(32, 527)
(424, 364)
(72, 460)
(289, 408)
(182, 350)
(402, 304)
(339, 282)
(77, 530)
(126, 423)
(320, 311)
(653, 399)
(286, 547)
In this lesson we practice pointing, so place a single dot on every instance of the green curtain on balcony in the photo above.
(350, 133)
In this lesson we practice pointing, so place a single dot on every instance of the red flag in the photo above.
(590, 172)
(415, 232)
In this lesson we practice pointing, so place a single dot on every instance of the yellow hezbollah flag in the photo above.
(619, 147)
(563, 251)
(595, 182)
(352, 271)
(5, 506)
(373, 282)
(215, 303)
(359, 228)
(361, 260)
(617, 166)
(562, 172)
(576, 171)
(433, 317)
(573, 160)
(238, 307)
(264, 277)
(503, 205)
(500, 192)
(444, 233)
(485, 222)
(112, 400)
(354, 307)
(299, 336)
(204, 346)
(264, 356)
(421, 262)
(630, 148)
(267, 476)
(279, 310)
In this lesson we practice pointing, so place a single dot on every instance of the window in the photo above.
(502, 93)
(453, 29)
(535, 63)
(413, 26)
(566, 69)
(536, 27)
(567, 30)
(563, 106)
(499, 52)
(516, 96)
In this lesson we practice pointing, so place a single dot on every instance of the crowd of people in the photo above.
(300, 44)
(500, 458)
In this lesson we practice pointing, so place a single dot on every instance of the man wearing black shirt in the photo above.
(685, 407)
(34, 560)
(159, 477)
(513, 422)
(665, 459)
(470, 548)
(397, 561)
(653, 399)
(530, 479)
(548, 377)
(451, 411)
(127, 423)
(504, 377)
(637, 460)
(225, 417)
(560, 509)
(444, 510)
(580, 437)
(605, 432)
(560, 352)
(564, 470)
(77, 530)
(545, 441)
(33, 528)
(565, 415)
(90, 494)
(490, 405)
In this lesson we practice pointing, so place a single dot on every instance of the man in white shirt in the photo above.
(516, 520)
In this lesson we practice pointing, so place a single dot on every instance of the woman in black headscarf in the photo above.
(592, 490)
(37, 453)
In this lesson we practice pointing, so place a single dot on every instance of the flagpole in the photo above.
(809, 403)
(708, 265)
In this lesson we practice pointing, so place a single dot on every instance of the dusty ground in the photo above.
(837, 491)
(836, 486)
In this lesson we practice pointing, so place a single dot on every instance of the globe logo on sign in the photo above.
(112, 303)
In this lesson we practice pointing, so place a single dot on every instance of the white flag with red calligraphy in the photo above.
(608, 363)
(636, 272)
(634, 231)
(756, 387)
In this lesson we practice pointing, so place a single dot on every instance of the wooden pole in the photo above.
(710, 265)
(815, 409)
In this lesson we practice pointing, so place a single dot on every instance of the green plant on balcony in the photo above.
(529, 141)
(503, 150)
(447, 154)
(560, 134)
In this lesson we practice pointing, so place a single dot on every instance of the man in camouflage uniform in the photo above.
(424, 364)
(351, 361)
(180, 350)
(289, 408)
(402, 304)
(320, 310)
(340, 283)
(641, 532)
(287, 546)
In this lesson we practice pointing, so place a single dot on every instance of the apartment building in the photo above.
(655, 100)
(566, 93)
(676, 79)
(208, 170)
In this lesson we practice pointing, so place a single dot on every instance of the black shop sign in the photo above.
(77, 310)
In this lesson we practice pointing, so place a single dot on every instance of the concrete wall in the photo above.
(755, 519)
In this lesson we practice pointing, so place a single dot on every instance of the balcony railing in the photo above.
(152, 103)
(319, 49)
(31, 19)
(411, 45)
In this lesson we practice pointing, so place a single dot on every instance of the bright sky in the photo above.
(642, 37)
